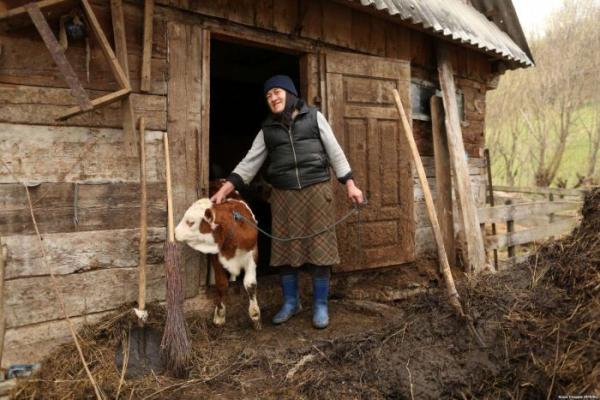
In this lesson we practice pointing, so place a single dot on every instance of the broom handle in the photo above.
(437, 233)
(169, 192)
(143, 218)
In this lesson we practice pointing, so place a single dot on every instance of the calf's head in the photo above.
(196, 228)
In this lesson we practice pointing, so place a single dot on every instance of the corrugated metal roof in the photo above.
(457, 21)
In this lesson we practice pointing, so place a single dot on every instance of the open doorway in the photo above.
(237, 109)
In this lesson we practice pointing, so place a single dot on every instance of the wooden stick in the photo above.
(110, 56)
(488, 165)
(435, 226)
(170, 225)
(100, 101)
(61, 300)
(118, 21)
(146, 84)
(143, 219)
(474, 241)
(59, 57)
(3, 254)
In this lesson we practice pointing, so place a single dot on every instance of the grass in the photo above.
(575, 157)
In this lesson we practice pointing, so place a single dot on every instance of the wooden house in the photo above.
(208, 61)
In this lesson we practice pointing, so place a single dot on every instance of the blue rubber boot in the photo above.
(291, 300)
(320, 296)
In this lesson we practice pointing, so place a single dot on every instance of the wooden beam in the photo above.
(146, 81)
(443, 177)
(118, 21)
(476, 260)
(100, 101)
(58, 56)
(521, 211)
(541, 190)
(538, 233)
(18, 17)
(3, 256)
(110, 56)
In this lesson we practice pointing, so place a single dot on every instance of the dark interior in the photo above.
(237, 109)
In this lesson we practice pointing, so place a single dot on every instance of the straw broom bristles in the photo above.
(175, 345)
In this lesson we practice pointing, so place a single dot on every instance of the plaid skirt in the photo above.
(300, 213)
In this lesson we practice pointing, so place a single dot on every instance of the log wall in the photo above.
(78, 168)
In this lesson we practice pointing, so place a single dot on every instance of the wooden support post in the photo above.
(110, 56)
(118, 21)
(435, 226)
(510, 228)
(58, 56)
(474, 242)
(443, 177)
(146, 81)
(3, 254)
(488, 164)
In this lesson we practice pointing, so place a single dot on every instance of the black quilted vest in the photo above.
(297, 158)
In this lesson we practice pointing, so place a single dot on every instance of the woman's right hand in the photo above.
(222, 193)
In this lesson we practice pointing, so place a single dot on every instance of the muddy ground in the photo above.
(540, 321)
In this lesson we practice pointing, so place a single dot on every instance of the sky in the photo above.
(533, 12)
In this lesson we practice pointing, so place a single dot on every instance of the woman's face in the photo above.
(276, 100)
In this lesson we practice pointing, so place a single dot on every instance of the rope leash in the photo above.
(239, 217)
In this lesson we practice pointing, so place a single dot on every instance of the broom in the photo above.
(175, 346)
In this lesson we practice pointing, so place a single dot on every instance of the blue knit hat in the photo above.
(280, 81)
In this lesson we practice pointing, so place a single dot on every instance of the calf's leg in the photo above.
(250, 286)
(222, 283)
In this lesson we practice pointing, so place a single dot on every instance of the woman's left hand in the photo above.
(354, 193)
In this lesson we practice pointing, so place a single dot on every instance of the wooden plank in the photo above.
(530, 235)
(146, 80)
(110, 56)
(18, 17)
(105, 206)
(118, 20)
(40, 106)
(3, 260)
(375, 67)
(80, 251)
(337, 24)
(443, 176)
(71, 154)
(185, 110)
(59, 57)
(521, 211)
(541, 190)
(99, 102)
(30, 344)
(32, 300)
(204, 133)
(37, 68)
(474, 241)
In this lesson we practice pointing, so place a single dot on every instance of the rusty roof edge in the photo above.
(489, 38)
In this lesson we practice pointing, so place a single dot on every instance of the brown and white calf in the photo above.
(211, 229)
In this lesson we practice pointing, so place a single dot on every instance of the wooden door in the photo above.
(360, 108)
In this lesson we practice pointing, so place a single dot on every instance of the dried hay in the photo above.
(541, 321)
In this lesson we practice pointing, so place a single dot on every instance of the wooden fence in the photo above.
(527, 217)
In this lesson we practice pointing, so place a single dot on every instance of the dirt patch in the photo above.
(541, 322)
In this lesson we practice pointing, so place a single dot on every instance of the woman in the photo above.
(300, 147)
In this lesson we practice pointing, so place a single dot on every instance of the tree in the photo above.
(536, 111)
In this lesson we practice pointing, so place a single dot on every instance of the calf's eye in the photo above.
(189, 223)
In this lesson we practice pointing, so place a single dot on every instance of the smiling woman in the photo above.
(300, 146)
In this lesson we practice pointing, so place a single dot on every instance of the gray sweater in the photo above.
(256, 156)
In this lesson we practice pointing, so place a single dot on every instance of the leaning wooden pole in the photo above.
(476, 260)
(435, 226)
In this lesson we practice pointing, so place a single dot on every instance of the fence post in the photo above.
(510, 228)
